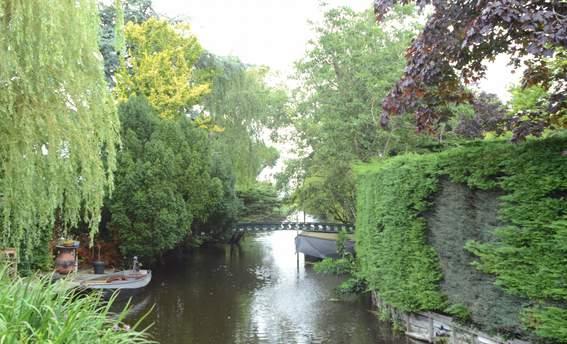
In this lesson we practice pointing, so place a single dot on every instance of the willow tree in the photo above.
(58, 123)
(160, 62)
(244, 104)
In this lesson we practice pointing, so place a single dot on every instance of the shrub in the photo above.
(34, 310)
(339, 266)
(527, 256)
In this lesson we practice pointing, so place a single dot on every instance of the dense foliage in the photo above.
(159, 65)
(460, 36)
(390, 234)
(528, 256)
(245, 106)
(345, 74)
(175, 179)
(34, 310)
(58, 125)
(112, 19)
(261, 203)
(225, 210)
(178, 172)
(163, 181)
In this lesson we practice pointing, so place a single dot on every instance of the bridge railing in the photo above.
(303, 226)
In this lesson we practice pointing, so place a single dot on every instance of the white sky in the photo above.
(275, 32)
(261, 32)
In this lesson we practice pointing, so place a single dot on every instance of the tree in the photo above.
(159, 66)
(261, 203)
(460, 36)
(112, 19)
(223, 211)
(163, 182)
(345, 74)
(485, 114)
(246, 107)
(58, 125)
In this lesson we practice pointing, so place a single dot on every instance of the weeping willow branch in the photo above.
(58, 122)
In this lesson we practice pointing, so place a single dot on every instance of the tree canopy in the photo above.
(344, 76)
(112, 40)
(163, 180)
(246, 107)
(159, 65)
(58, 123)
(460, 36)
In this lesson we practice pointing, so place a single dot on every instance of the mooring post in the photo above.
(431, 329)
(296, 251)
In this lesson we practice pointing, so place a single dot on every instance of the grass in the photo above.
(34, 310)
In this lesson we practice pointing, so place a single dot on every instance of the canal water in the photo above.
(256, 293)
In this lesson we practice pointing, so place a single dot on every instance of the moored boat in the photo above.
(133, 278)
(321, 245)
(127, 279)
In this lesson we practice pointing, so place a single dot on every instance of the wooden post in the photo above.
(431, 331)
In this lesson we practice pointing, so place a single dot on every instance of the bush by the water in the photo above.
(338, 266)
(33, 310)
(524, 253)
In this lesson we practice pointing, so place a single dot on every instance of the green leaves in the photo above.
(36, 310)
(58, 123)
(260, 203)
(345, 74)
(528, 255)
(245, 106)
(160, 64)
(390, 235)
(163, 182)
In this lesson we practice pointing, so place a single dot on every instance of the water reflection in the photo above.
(260, 292)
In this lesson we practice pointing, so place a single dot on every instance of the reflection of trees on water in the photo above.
(249, 293)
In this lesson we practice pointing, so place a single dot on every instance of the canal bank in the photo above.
(472, 232)
(256, 293)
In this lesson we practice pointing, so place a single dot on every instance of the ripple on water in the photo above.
(258, 293)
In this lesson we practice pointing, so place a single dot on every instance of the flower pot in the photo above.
(98, 266)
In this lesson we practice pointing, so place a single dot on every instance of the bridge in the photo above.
(239, 229)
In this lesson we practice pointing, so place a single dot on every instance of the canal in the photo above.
(256, 293)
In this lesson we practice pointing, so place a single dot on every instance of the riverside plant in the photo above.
(34, 310)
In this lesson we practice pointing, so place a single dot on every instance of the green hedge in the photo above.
(529, 256)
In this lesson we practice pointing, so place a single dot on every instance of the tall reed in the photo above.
(34, 310)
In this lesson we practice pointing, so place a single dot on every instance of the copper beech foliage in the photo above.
(459, 36)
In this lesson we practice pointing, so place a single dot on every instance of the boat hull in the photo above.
(119, 280)
(320, 245)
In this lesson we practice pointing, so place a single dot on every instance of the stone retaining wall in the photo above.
(437, 328)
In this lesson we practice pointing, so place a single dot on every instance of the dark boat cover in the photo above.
(319, 247)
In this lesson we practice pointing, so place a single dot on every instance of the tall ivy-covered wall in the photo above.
(458, 215)
(517, 241)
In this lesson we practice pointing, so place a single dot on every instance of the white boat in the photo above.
(127, 279)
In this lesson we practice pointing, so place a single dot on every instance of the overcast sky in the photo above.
(268, 32)
(275, 32)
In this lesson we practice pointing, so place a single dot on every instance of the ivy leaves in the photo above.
(528, 257)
